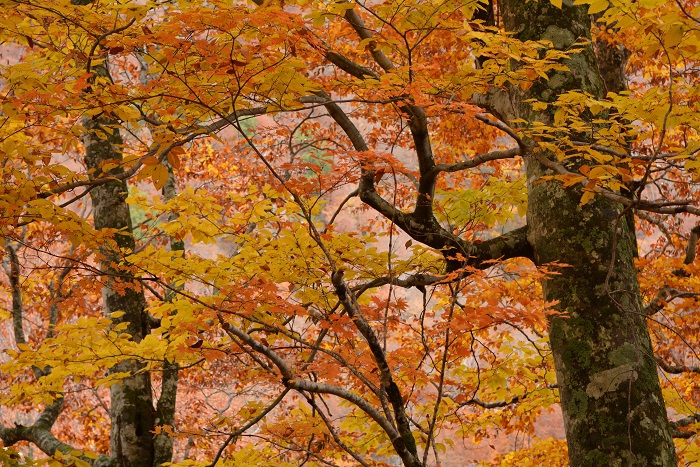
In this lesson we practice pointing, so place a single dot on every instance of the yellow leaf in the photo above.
(557, 3)
(599, 172)
(587, 196)
(339, 8)
(674, 36)
(559, 117)
(597, 6)
(160, 176)
(150, 160)
(173, 160)
(177, 150)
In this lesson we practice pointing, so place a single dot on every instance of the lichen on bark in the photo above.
(614, 413)
(131, 412)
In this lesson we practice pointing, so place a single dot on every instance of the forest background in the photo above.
(349, 233)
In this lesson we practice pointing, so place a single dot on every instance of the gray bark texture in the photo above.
(132, 412)
(165, 408)
(614, 413)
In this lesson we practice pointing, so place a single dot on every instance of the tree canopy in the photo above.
(330, 232)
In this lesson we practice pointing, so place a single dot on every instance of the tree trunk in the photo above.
(614, 413)
(132, 413)
(165, 408)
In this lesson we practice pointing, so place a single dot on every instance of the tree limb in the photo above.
(352, 308)
(248, 425)
(676, 369)
(40, 435)
(476, 161)
(421, 224)
(665, 296)
(683, 422)
(334, 434)
(692, 244)
(359, 26)
(350, 67)
(651, 206)
(418, 124)
(290, 380)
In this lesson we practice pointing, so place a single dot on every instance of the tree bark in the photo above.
(614, 413)
(132, 413)
(165, 408)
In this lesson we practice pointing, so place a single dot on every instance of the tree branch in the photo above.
(17, 311)
(665, 296)
(683, 422)
(40, 435)
(352, 308)
(290, 381)
(504, 128)
(418, 125)
(500, 404)
(692, 244)
(676, 369)
(421, 225)
(359, 26)
(350, 67)
(658, 223)
(428, 179)
(335, 436)
(248, 425)
(476, 161)
(650, 206)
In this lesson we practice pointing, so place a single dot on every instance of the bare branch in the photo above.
(477, 161)
(658, 223)
(359, 26)
(406, 444)
(40, 435)
(248, 425)
(421, 225)
(366, 188)
(418, 125)
(290, 381)
(683, 422)
(603, 149)
(340, 207)
(665, 296)
(504, 128)
(500, 404)
(676, 207)
(334, 434)
(341, 118)
(350, 67)
(676, 369)
(420, 281)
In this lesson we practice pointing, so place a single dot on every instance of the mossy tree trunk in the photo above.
(132, 412)
(614, 413)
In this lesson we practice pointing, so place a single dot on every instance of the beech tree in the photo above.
(610, 395)
(342, 233)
